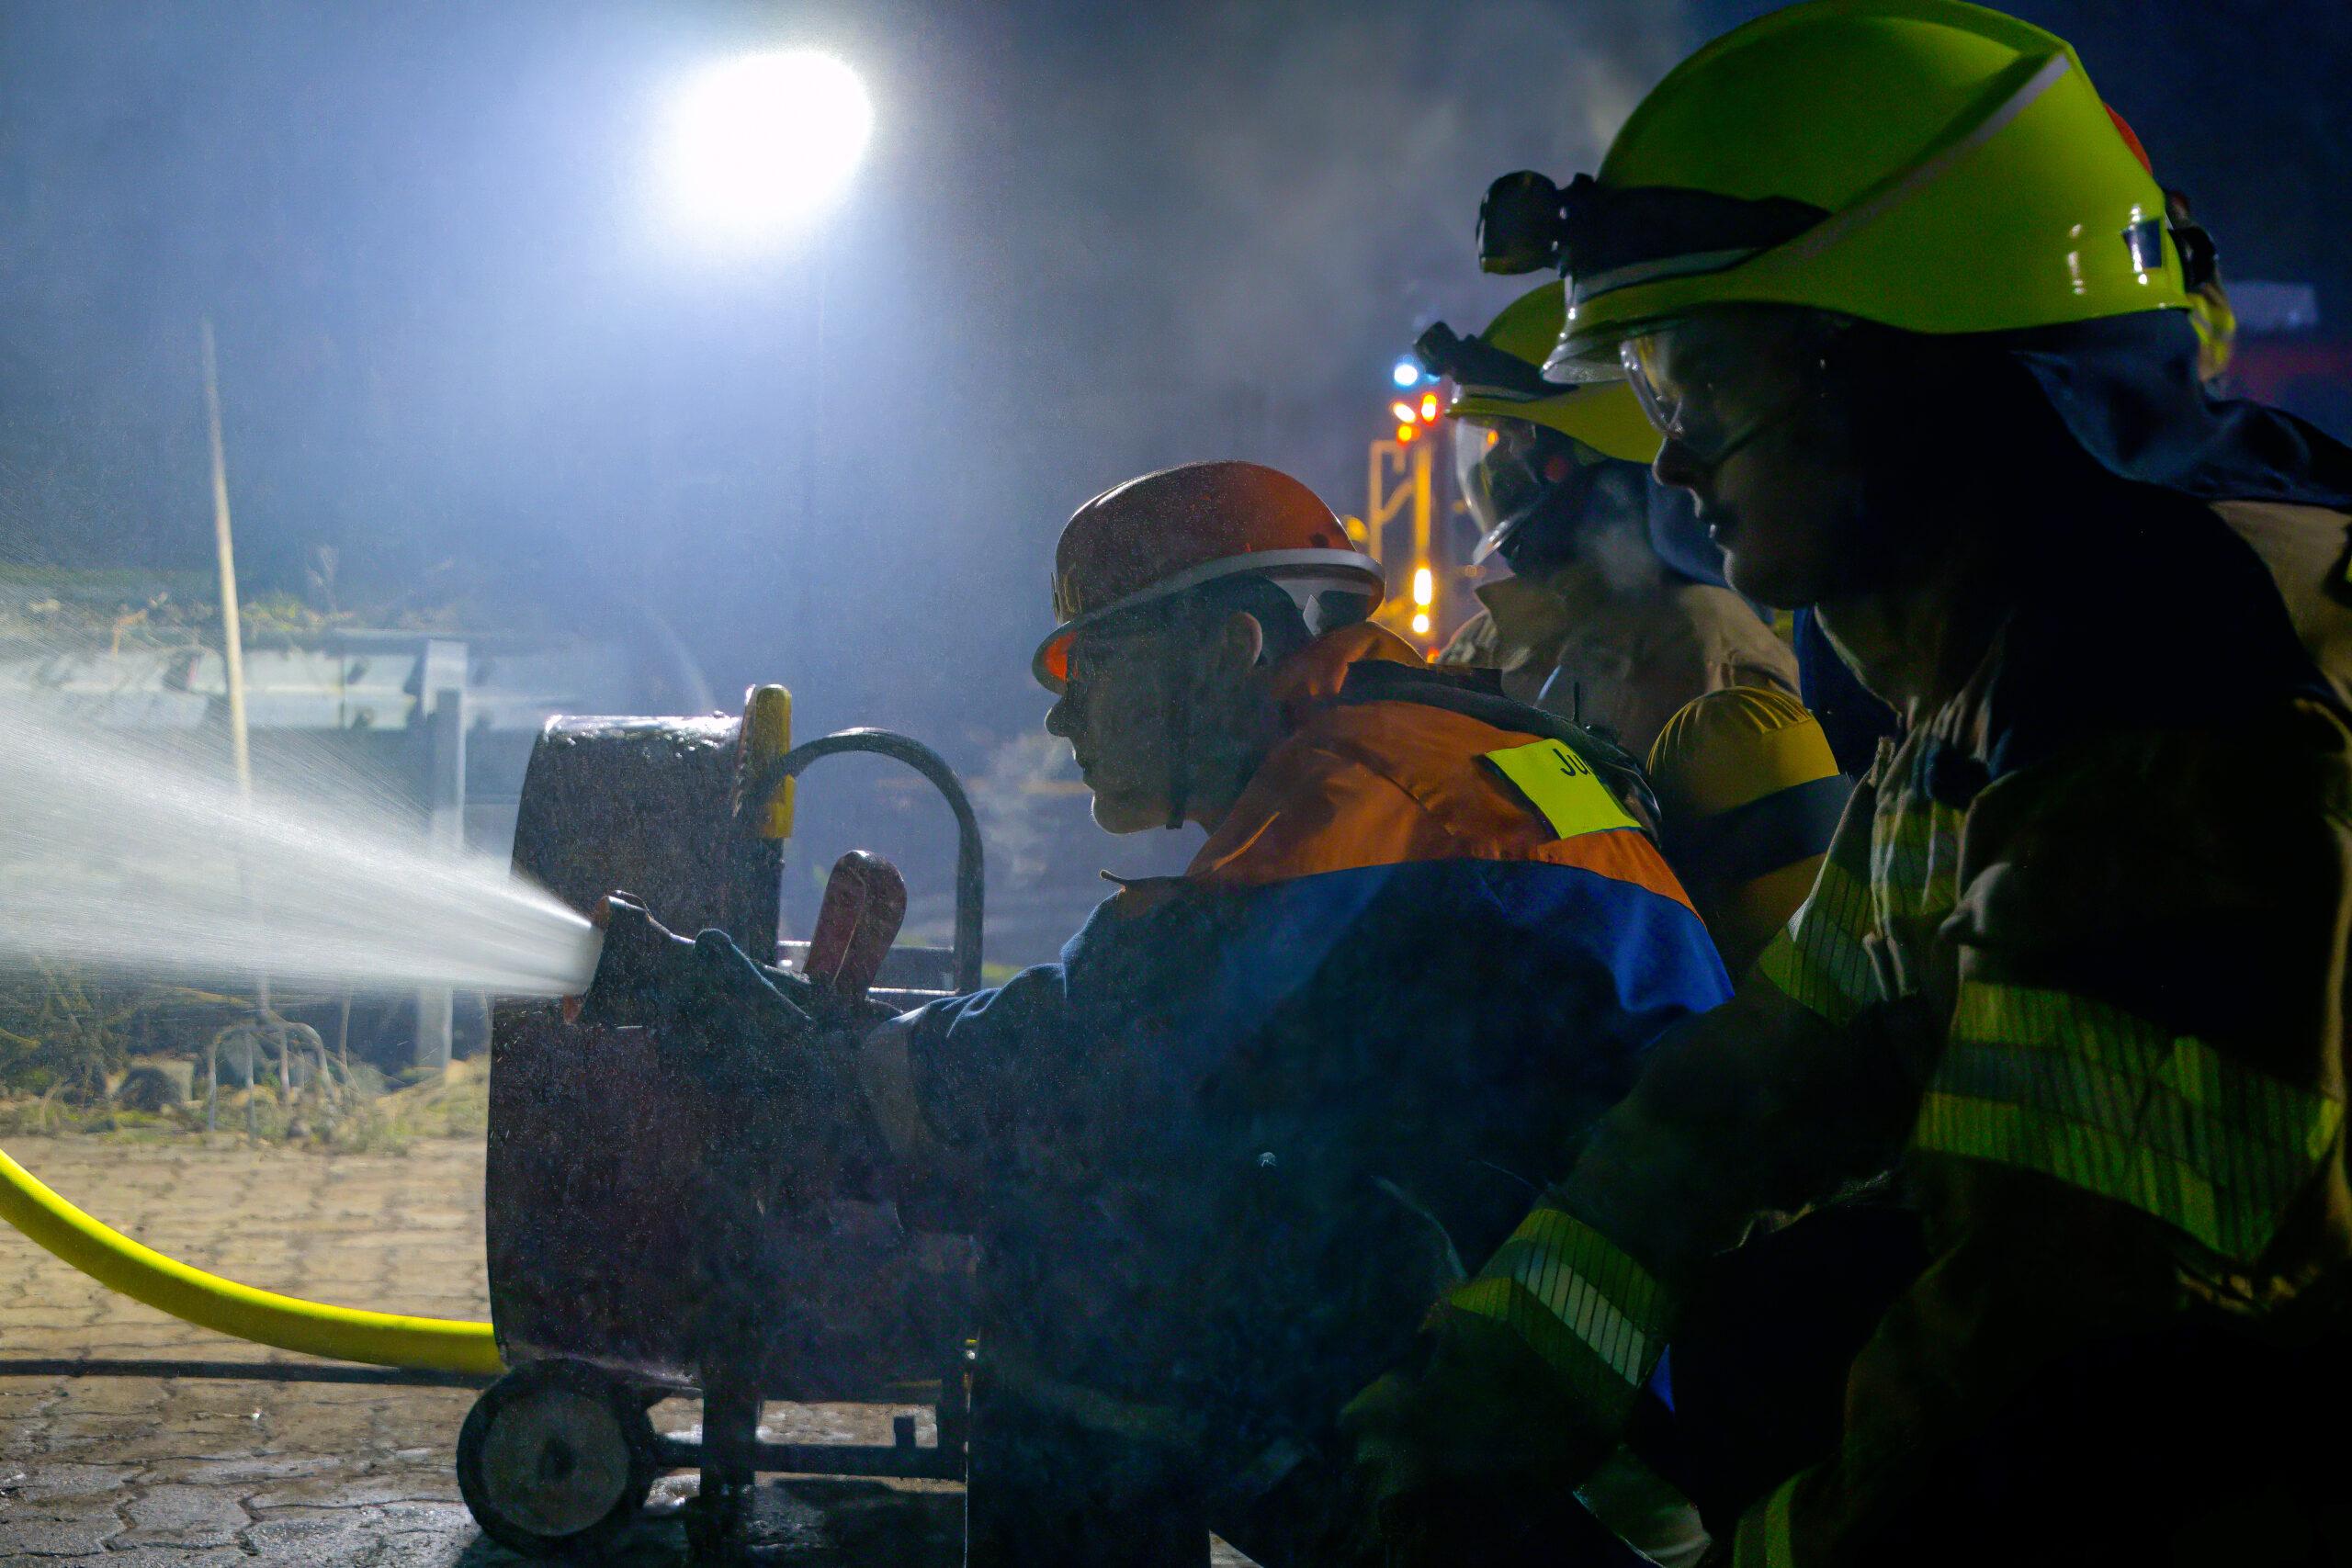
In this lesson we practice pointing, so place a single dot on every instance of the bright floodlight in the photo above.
(758, 144)
(1407, 372)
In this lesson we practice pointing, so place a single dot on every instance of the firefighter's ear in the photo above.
(1235, 647)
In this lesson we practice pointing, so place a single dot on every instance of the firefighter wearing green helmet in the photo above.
(1599, 620)
(1614, 614)
(1908, 314)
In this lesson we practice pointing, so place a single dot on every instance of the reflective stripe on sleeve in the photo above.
(1592, 1314)
(1915, 857)
(1764, 1539)
(1819, 960)
(2090, 1095)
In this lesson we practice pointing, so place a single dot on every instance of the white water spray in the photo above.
(118, 857)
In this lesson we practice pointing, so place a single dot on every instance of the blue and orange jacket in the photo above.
(1244, 1132)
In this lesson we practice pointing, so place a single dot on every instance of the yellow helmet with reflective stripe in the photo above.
(1928, 165)
(1608, 418)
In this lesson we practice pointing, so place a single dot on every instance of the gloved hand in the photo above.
(714, 1012)
(1470, 1453)
(827, 1008)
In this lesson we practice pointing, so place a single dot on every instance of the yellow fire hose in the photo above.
(347, 1334)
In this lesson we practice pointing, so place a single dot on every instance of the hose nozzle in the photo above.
(706, 1003)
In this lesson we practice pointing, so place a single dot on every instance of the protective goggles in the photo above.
(1714, 384)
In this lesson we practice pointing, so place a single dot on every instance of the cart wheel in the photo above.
(555, 1459)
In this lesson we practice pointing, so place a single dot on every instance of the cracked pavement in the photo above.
(201, 1470)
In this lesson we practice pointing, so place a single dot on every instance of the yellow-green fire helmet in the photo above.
(1608, 418)
(1928, 165)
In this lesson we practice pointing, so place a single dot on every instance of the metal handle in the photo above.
(970, 890)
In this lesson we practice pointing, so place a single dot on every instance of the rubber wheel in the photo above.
(555, 1459)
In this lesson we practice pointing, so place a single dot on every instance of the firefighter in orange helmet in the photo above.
(1222, 1154)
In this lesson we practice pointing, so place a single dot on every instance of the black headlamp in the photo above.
(1591, 231)
(1523, 224)
(1476, 365)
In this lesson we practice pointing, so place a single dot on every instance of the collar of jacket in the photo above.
(1307, 680)
(1533, 615)
(1316, 673)
(1376, 784)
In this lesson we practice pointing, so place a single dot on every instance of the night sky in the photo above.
(463, 346)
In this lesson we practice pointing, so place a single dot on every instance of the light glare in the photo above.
(1424, 586)
(1406, 373)
(759, 143)
(1421, 623)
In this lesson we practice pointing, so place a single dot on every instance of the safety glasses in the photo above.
(1714, 385)
(1102, 649)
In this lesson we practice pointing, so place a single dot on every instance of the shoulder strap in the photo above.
(1478, 693)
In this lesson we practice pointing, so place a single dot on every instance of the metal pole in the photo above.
(233, 633)
(1423, 513)
(232, 639)
(441, 722)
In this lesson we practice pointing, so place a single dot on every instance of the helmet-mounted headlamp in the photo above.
(1602, 238)
(1474, 365)
(1524, 223)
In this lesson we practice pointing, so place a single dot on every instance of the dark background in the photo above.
(461, 347)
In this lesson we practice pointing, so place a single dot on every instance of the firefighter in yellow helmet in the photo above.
(2209, 310)
(1909, 315)
(1613, 616)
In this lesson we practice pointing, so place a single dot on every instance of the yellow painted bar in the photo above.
(768, 735)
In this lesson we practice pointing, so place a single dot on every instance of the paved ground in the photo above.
(201, 1471)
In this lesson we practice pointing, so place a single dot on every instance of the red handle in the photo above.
(866, 900)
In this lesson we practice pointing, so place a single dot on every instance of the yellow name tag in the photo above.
(1562, 787)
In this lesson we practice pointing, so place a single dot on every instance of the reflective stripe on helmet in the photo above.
(1967, 176)
(1810, 241)
(1908, 183)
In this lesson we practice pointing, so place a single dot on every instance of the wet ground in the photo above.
(159, 1467)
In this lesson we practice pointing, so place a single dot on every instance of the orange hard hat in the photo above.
(1164, 534)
